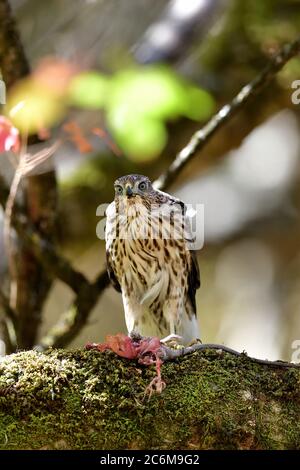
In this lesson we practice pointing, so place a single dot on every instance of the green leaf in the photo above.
(200, 106)
(141, 138)
(152, 91)
(89, 90)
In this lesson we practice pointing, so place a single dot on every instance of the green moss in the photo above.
(88, 400)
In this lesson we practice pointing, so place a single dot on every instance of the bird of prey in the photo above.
(149, 260)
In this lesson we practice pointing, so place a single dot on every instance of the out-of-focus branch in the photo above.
(71, 321)
(9, 324)
(13, 62)
(30, 282)
(174, 31)
(203, 136)
(87, 294)
(56, 264)
(10, 314)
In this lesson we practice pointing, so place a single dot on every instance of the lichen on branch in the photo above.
(91, 400)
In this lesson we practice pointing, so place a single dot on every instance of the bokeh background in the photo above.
(247, 177)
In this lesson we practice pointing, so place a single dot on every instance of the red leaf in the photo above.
(9, 136)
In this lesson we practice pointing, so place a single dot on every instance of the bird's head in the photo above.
(131, 186)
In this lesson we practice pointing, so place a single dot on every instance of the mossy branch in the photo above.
(91, 400)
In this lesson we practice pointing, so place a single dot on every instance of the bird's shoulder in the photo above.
(193, 271)
(165, 198)
(111, 210)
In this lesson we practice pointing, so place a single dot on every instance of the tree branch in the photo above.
(59, 267)
(212, 400)
(13, 61)
(30, 281)
(9, 312)
(72, 321)
(170, 354)
(9, 323)
(203, 136)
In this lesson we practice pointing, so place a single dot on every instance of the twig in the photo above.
(169, 354)
(183, 28)
(26, 164)
(71, 321)
(203, 136)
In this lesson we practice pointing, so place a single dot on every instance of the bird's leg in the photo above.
(157, 385)
(135, 336)
(195, 341)
(171, 340)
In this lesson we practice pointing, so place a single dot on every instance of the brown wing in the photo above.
(194, 272)
(193, 279)
(111, 273)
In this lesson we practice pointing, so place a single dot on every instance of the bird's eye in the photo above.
(142, 186)
(119, 189)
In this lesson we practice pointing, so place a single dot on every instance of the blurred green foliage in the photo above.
(138, 103)
(88, 90)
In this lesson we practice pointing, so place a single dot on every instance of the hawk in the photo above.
(149, 260)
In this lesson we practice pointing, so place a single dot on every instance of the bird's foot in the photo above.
(171, 341)
(195, 341)
(147, 350)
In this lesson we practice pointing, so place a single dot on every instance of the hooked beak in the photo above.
(129, 191)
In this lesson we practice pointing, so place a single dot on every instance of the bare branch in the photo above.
(13, 62)
(203, 136)
(9, 312)
(57, 266)
(170, 354)
(30, 281)
(9, 323)
(72, 321)
(183, 29)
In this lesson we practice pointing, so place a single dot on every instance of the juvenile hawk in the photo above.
(149, 260)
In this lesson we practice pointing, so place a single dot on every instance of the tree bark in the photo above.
(91, 400)
(40, 199)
